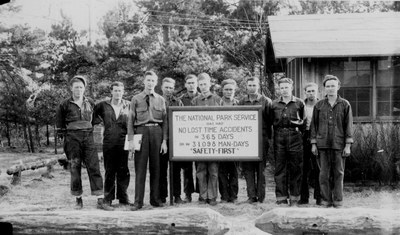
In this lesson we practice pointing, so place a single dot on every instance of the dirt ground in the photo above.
(36, 193)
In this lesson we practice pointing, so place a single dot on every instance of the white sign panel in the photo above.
(222, 133)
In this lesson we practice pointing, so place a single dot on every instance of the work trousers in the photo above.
(255, 184)
(149, 152)
(188, 186)
(79, 147)
(164, 160)
(310, 170)
(188, 182)
(178, 166)
(207, 176)
(331, 160)
(288, 153)
(228, 181)
(116, 169)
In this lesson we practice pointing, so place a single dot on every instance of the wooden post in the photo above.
(55, 140)
(3, 190)
(171, 182)
(16, 179)
(17, 169)
(48, 174)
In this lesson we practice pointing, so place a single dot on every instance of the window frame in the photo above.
(373, 86)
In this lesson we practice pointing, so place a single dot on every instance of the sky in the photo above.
(43, 13)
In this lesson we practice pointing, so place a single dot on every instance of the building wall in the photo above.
(371, 84)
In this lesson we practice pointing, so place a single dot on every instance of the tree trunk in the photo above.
(26, 137)
(37, 135)
(329, 221)
(165, 29)
(32, 144)
(34, 165)
(165, 221)
(55, 140)
(8, 132)
(47, 135)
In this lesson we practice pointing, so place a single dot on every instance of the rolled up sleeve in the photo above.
(131, 117)
(165, 122)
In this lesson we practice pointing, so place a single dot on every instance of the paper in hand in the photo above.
(136, 142)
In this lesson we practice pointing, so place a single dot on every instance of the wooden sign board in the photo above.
(215, 133)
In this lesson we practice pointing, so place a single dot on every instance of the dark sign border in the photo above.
(203, 109)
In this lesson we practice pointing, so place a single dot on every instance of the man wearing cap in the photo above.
(148, 117)
(113, 113)
(74, 121)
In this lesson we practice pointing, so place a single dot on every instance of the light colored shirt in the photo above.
(148, 109)
(308, 112)
(117, 110)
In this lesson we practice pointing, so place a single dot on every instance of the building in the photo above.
(362, 49)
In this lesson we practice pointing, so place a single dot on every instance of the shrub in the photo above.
(375, 153)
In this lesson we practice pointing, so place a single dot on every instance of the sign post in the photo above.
(214, 133)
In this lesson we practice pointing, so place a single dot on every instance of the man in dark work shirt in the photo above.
(74, 121)
(113, 113)
(287, 116)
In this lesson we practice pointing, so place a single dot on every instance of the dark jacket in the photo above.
(69, 116)
(338, 118)
(265, 103)
(187, 100)
(115, 130)
(173, 101)
(290, 115)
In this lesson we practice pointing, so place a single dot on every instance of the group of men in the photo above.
(311, 139)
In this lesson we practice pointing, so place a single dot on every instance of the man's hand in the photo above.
(164, 147)
(131, 143)
(346, 150)
(131, 154)
(314, 149)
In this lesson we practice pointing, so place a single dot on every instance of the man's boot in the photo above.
(188, 198)
(104, 205)
(79, 203)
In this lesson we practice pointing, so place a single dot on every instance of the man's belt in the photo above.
(150, 124)
(287, 129)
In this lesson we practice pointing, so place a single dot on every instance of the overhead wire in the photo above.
(234, 20)
(203, 27)
(201, 23)
(214, 22)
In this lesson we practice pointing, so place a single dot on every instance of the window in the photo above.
(356, 84)
(369, 98)
(388, 87)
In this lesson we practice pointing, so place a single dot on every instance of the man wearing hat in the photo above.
(74, 121)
